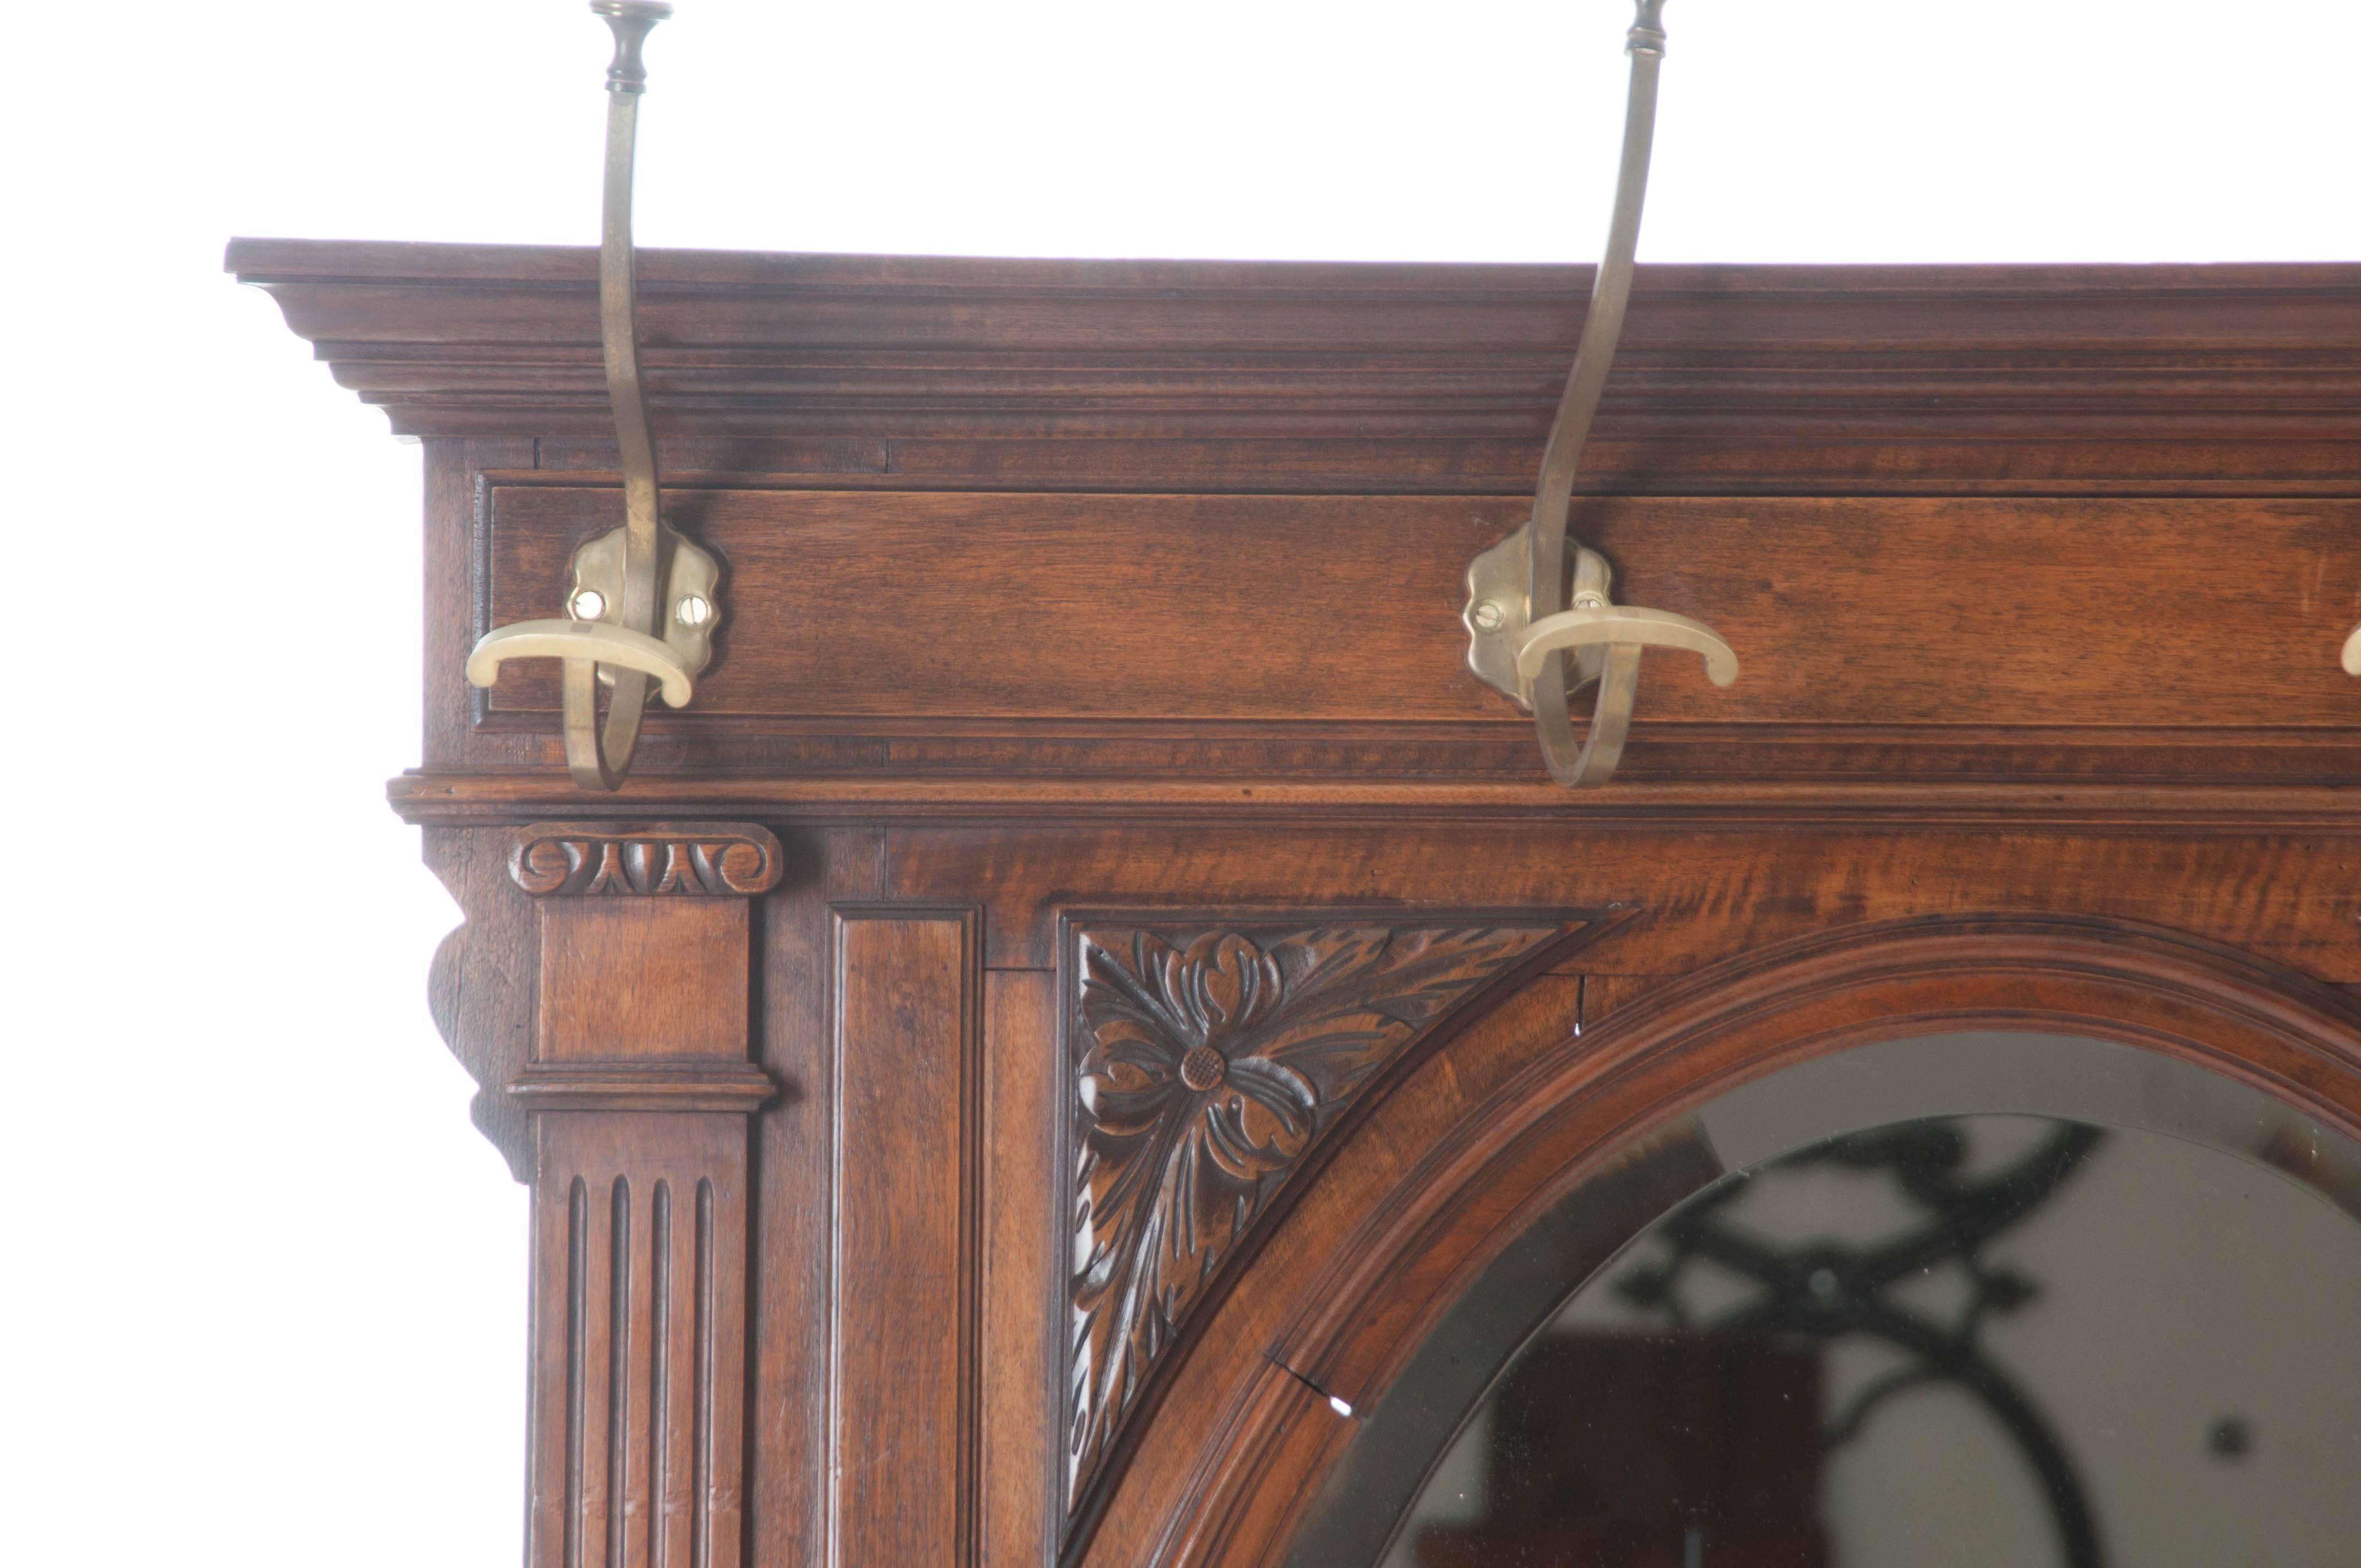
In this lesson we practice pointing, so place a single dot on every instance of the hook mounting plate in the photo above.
(688, 575)
(1496, 614)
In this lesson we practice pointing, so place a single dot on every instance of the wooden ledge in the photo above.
(479, 800)
(676, 1084)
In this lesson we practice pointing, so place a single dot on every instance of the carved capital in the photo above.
(1207, 1065)
(695, 860)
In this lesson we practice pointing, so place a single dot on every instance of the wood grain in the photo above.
(1406, 1214)
(1998, 614)
(1024, 1284)
(901, 1457)
(639, 1350)
(643, 978)
(1703, 891)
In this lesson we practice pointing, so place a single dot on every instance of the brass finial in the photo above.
(632, 20)
(1647, 34)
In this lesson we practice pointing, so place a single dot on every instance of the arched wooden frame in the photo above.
(1519, 1111)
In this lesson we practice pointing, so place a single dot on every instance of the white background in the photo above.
(263, 1285)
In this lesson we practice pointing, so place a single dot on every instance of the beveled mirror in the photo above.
(1965, 1299)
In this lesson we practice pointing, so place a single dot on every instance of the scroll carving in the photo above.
(1206, 1066)
(700, 860)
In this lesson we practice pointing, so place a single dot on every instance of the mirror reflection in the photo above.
(1963, 1339)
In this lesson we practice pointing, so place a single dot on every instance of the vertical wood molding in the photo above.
(638, 1425)
(641, 1082)
(901, 1459)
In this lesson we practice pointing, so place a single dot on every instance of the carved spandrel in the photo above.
(710, 860)
(1207, 1065)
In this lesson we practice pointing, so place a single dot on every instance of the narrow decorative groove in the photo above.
(660, 1422)
(619, 1373)
(701, 1445)
(1206, 1065)
(578, 1316)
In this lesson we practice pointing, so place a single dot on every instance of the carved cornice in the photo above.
(695, 860)
(681, 1084)
(1207, 1065)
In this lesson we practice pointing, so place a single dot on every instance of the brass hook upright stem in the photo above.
(596, 762)
(1594, 354)
(625, 642)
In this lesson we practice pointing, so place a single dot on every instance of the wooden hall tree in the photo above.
(1038, 1045)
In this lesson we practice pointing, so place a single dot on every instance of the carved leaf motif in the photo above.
(580, 860)
(1209, 1064)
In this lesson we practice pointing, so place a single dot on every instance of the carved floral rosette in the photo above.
(1206, 1066)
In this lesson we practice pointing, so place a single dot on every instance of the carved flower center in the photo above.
(1203, 1068)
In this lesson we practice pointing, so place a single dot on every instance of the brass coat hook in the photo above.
(1524, 638)
(613, 634)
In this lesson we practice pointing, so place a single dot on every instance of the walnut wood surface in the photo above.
(1127, 593)
(901, 1457)
(868, 354)
(1447, 1171)
(1208, 1070)
(1881, 638)
(639, 1341)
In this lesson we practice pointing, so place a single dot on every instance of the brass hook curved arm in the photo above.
(1620, 625)
(1530, 644)
(615, 642)
(581, 642)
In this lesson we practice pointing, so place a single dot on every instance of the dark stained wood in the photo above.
(487, 340)
(1087, 598)
(639, 1341)
(643, 978)
(1024, 1273)
(1208, 1070)
(1701, 892)
(901, 1457)
(1985, 614)
(795, 1205)
(1385, 1237)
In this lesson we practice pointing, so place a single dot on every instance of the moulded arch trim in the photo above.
(1231, 1490)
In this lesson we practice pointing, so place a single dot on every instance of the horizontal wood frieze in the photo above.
(1914, 622)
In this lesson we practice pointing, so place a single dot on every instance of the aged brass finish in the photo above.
(1602, 641)
(642, 605)
(1530, 644)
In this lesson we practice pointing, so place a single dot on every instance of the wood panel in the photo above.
(1886, 612)
(1023, 1283)
(642, 977)
(793, 1314)
(900, 1454)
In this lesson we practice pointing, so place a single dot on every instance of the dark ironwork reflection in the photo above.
(1829, 1290)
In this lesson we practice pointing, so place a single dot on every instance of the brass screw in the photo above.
(589, 605)
(693, 610)
(1489, 617)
